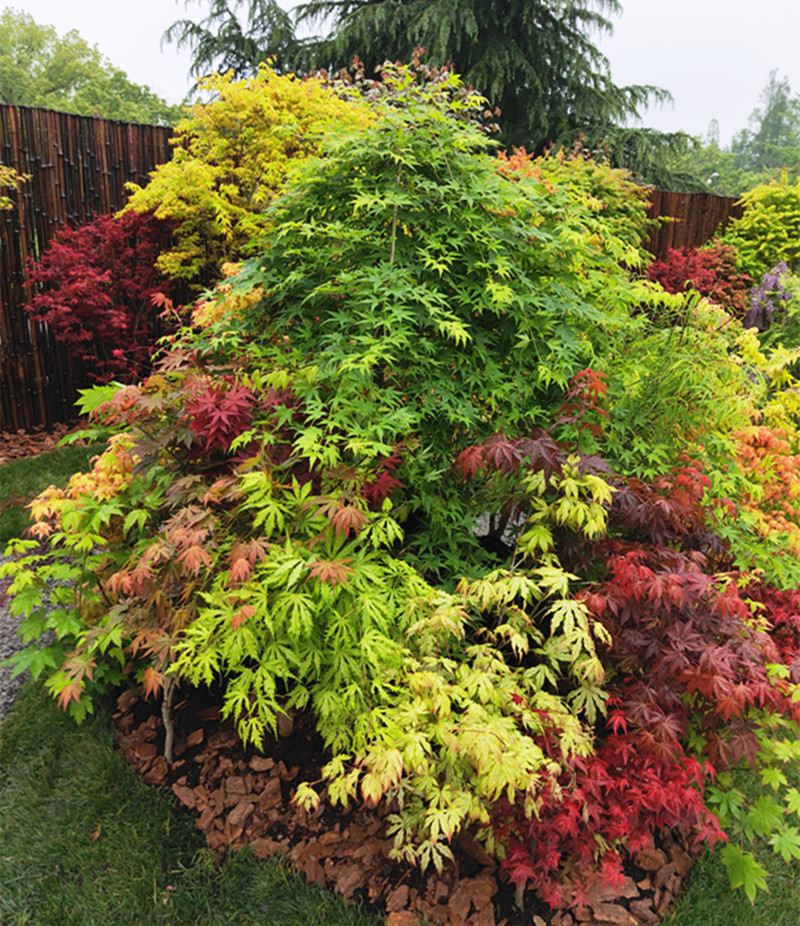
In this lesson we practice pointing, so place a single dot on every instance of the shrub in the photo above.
(9, 180)
(231, 158)
(99, 287)
(768, 231)
(710, 271)
(369, 483)
(773, 306)
(619, 204)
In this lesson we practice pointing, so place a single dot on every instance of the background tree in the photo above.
(773, 139)
(535, 60)
(225, 42)
(40, 68)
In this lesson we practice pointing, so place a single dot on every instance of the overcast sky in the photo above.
(714, 56)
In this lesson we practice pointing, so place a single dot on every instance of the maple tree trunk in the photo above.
(166, 716)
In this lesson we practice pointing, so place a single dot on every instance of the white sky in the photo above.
(714, 56)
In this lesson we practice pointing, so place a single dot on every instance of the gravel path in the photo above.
(9, 644)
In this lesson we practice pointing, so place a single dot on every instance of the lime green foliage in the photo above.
(432, 297)
(772, 818)
(40, 68)
(231, 158)
(9, 180)
(22, 480)
(620, 205)
(293, 504)
(708, 899)
(769, 230)
(239, 526)
(677, 385)
(86, 841)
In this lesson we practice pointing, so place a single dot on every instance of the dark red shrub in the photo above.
(97, 286)
(711, 271)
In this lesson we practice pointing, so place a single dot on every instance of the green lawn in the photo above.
(85, 842)
(21, 480)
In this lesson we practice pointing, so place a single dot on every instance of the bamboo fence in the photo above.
(78, 167)
(696, 217)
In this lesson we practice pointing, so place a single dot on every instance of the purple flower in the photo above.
(769, 300)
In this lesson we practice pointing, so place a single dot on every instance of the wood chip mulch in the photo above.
(242, 797)
(16, 445)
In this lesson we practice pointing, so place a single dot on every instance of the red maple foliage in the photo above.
(98, 287)
(711, 271)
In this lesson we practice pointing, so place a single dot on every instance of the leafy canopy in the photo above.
(535, 60)
(231, 158)
(382, 478)
(40, 68)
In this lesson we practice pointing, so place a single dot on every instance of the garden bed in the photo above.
(242, 797)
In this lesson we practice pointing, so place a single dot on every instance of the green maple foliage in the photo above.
(231, 158)
(365, 482)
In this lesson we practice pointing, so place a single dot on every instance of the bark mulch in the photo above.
(242, 797)
(16, 445)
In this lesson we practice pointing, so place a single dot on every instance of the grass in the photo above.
(85, 842)
(62, 785)
(708, 899)
(21, 480)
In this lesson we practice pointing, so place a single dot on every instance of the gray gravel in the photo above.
(9, 644)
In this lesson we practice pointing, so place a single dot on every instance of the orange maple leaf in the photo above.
(333, 571)
(70, 692)
(241, 616)
(152, 682)
(194, 559)
(240, 571)
(347, 518)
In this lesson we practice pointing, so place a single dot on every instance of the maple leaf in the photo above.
(152, 682)
(240, 571)
(502, 453)
(347, 518)
(194, 559)
(70, 692)
(239, 617)
(332, 571)
(79, 664)
(470, 460)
